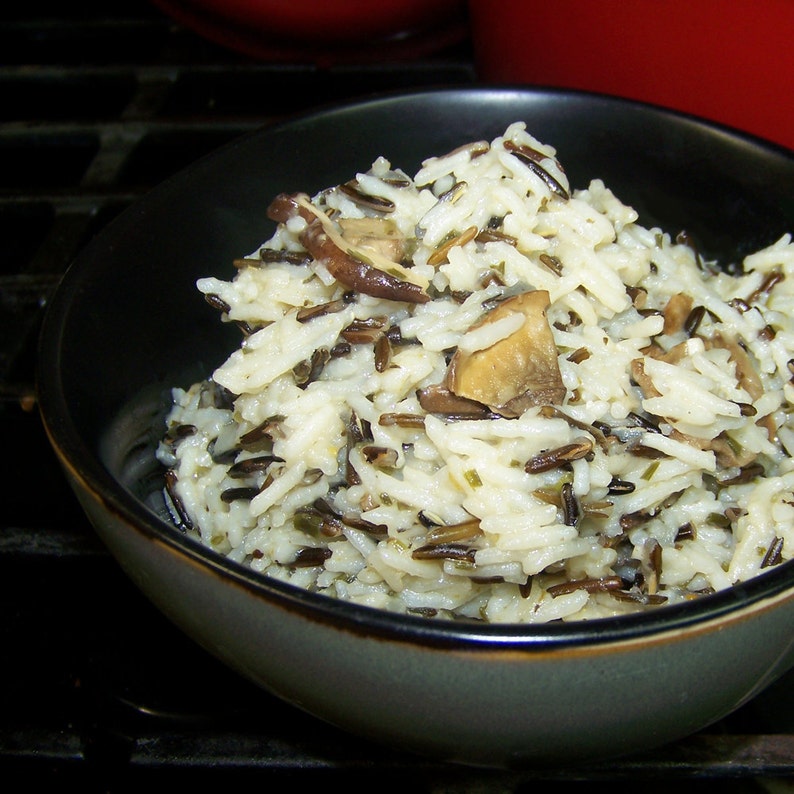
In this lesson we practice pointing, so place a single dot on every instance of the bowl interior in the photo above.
(127, 322)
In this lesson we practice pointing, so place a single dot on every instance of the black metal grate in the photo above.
(98, 689)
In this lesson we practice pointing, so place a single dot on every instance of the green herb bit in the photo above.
(472, 478)
(650, 471)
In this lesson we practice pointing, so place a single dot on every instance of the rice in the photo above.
(479, 393)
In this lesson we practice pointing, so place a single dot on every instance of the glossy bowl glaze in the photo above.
(126, 324)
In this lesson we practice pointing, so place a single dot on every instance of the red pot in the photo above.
(729, 61)
(324, 30)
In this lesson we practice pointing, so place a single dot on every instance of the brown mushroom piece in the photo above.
(378, 235)
(518, 371)
(746, 373)
(748, 377)
(726, 453)
(676, 312)
(346, 268)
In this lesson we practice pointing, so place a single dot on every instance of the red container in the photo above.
(731, 61)
(324, 31)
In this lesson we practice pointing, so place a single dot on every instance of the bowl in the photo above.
(725, 62)
(350, 31)
(126, 325)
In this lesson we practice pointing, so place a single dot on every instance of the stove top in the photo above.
(97, 689)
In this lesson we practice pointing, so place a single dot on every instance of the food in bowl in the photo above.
(479, 392)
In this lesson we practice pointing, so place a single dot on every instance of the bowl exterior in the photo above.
(724, 61)
(502, 705)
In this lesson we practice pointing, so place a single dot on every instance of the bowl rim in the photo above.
(85, 469)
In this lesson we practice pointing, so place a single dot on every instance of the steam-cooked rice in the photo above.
(628, 444)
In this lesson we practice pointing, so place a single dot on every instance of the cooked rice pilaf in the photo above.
(480, 393)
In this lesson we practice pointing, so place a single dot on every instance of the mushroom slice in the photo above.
(377, 235)
(746, 373)
(517, 371)
(380, 278)
(748, 377)
(676, 312)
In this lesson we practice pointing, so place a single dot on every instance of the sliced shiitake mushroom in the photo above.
(374, 235)
(519, 370)
(350, 267)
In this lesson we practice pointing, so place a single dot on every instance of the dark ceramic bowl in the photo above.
(127, 324)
